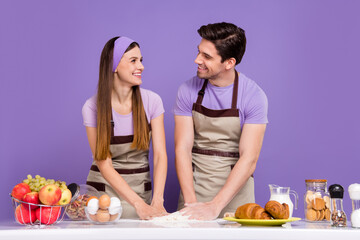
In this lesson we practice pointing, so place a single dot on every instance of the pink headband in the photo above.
(120, 46)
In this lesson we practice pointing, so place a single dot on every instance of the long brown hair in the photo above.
(106, 83)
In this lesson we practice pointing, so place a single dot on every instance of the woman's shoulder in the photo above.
(149, 95)
(90, 103)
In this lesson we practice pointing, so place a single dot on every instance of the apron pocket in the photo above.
(98, 186)
(147, 186)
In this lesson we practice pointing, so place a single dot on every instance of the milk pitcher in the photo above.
(282, 195)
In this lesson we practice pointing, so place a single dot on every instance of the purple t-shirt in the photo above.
(124, 123)
(252, 101)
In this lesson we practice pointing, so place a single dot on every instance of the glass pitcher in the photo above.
(282, 195)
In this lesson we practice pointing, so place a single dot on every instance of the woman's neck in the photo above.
(121, 98)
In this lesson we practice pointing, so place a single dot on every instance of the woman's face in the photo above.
(130, 67)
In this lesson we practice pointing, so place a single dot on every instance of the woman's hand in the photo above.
(159, 206)
(147, 212)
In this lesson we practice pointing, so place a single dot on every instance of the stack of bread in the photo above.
(272, 210)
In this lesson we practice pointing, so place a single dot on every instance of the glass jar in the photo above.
(316, 201)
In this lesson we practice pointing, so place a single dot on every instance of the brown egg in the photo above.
(104, 201)
(113, 217)
(92, 217)
(102, 215)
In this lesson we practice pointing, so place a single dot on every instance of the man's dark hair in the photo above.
(229, 40)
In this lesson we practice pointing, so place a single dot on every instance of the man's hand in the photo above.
(201, 211)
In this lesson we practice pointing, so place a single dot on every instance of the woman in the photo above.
(117, 126)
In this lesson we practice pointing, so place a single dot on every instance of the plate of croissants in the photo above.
(274, 214)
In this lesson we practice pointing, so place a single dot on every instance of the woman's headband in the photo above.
(120, 46)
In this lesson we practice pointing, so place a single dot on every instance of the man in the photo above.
(220, 121)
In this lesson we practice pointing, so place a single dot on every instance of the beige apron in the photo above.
(132, 165)
(216, 151)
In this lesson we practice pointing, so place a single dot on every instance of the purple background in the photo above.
(304, 54)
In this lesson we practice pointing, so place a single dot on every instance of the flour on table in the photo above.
(174, 217)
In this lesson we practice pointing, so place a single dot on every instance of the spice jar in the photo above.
(354, 193)
(316, 200)
(338, 216)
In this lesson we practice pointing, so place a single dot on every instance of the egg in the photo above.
(115, 206)
(102, 215)
(93, 217)
(92, 197)
(115, 201)
(113, 217)
(93, 206)
(104, 201)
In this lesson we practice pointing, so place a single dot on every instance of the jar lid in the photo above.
(315, 180)
(354, 191)
(336, 191)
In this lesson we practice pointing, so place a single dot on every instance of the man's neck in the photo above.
(224, 79)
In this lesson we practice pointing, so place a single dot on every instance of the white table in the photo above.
(136, 229)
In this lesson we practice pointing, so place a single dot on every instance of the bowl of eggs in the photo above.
(76, 208)
(103, 209)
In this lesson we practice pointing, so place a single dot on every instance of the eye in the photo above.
(133, 60)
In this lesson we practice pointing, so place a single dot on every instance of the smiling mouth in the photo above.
(202, 68)
(137, 75)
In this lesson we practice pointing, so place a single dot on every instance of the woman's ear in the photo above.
(230, 63)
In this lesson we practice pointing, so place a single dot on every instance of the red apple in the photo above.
(50, 194)
(48, 215)
(24, 216)
(32, 197)
(20, 190)
(65, 197)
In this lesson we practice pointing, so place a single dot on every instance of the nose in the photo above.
(140, 66)
(198, 59)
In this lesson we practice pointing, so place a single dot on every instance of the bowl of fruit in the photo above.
(40, 201)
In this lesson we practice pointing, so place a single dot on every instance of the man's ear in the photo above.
(230, 63)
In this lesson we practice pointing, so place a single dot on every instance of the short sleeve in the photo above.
(256, 109)
(89, 112)
(156, 106)
(183, 104)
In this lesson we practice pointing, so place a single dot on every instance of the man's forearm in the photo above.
(183, 163)
(241, 172)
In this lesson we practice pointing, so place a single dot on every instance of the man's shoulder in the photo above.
(192, 85)
(248, 86)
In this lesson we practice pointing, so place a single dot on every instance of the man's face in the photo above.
(208, 61)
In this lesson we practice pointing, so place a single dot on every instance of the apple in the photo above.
(24, 216)
(48, 215)
(32, 197)
(50, 194)
(20, 190)
(65, 197)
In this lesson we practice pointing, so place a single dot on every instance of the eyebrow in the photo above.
(207, 55)
(135, 58)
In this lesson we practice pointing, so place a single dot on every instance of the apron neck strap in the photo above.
(112, 124)
(235, 91)
(234, 95)
(202, 92)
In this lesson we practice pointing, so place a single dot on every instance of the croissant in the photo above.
(251, 211)
(277, 210)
